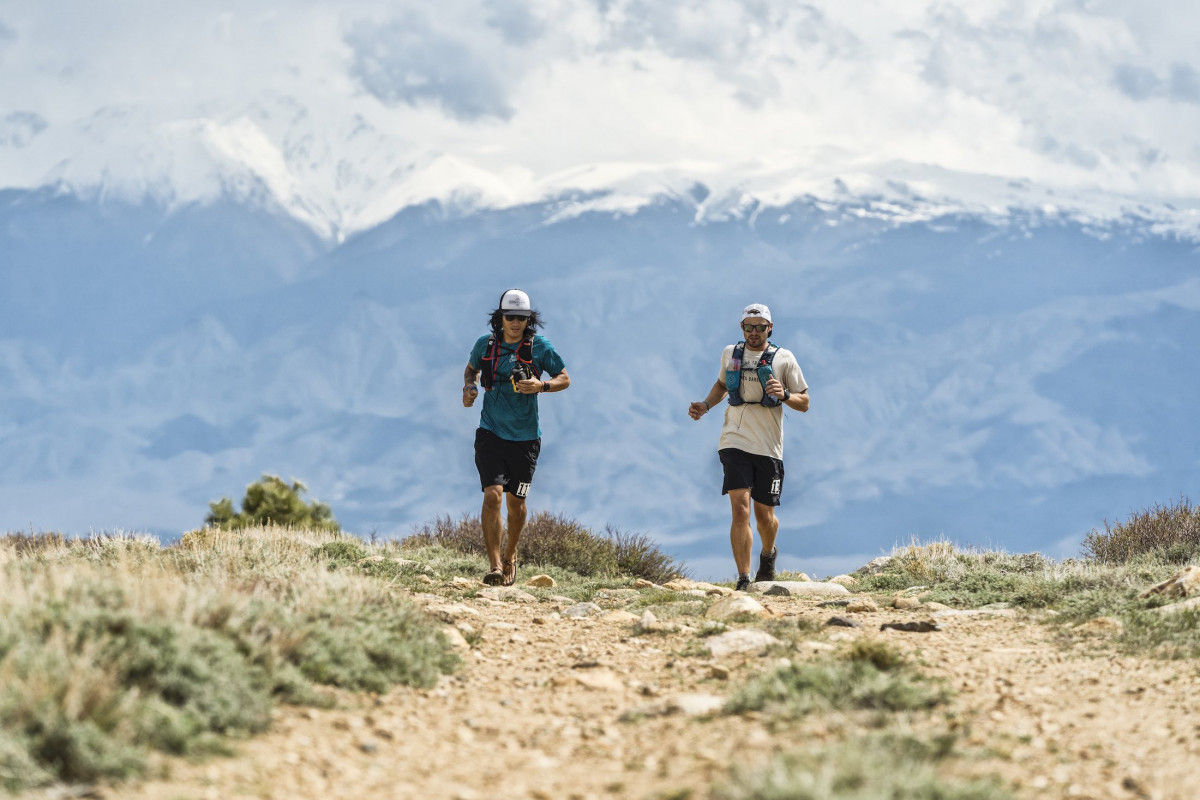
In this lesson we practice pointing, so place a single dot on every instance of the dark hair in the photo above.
(496, 321)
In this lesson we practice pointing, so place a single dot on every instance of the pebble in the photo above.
(719, 672)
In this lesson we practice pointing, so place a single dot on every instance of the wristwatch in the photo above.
(545, 386)
(786, 394)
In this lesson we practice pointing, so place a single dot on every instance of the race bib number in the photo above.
(522, 489)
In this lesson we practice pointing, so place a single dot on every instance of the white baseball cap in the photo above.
(757, 310)
(515, 302)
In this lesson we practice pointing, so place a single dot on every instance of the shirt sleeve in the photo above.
(476, 357)
(794, 377)
(726, 354)
(547, 358)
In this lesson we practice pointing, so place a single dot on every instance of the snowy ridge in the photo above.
(344, 181)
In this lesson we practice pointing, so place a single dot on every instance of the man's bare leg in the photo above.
(516, 524)
(740, 536)
(768, 525)
(490, 519)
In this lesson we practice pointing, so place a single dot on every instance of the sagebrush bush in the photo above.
(1169, 533)
(111, 648)
(558, 541)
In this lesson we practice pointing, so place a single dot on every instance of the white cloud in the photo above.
(1088, 98)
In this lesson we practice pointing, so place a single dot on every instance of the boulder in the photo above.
(743, 640)
(735, 606)
(844, 580)
(902, 602)
(1184, 583)
(803, 588)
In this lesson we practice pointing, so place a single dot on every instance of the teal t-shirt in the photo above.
(506, 413)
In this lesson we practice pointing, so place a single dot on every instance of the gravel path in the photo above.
(537, 712)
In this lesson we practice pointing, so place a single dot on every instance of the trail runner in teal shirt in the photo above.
(515, 365)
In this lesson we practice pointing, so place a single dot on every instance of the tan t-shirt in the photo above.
(752, 427)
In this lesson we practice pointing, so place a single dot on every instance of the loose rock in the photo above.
(743, 640)
(874, 566)
(541, 582)
(902, 602)
(844, 580)
(919, 626)
(618, 616)
(642, 583)
(735, 606)
(582, 611)
(862, 605)
(841, 622)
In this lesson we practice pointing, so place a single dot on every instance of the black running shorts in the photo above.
(762, 475)
(504, 463)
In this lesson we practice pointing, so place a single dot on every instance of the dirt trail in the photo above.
(536, 713)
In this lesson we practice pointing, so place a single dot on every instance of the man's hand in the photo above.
(774, 387)
(697, 409)
(529, 386)
(469, 395)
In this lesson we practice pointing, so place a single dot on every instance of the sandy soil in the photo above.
(536, 712)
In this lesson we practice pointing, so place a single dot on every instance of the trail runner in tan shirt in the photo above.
(751, 444)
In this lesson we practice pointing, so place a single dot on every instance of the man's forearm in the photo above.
(715, 394)
(798, 401)
(556, 384)
(469, 375)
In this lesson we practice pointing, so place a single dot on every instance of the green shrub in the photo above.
(272, 501)
(1165, 533)
(867, 768)
(558, 541)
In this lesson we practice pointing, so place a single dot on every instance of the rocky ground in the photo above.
(558, 699)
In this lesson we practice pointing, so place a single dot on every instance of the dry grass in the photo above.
(111, 648)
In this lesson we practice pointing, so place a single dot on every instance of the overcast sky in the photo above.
(1079, 93)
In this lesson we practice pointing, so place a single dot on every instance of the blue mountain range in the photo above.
(1009, 382)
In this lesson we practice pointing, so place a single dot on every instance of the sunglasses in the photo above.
(514, 317)
(757, 328)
